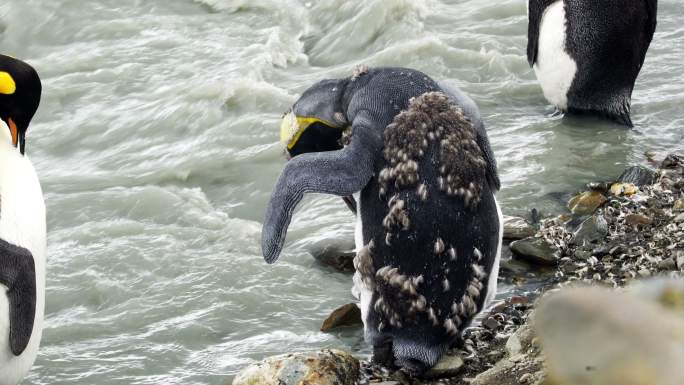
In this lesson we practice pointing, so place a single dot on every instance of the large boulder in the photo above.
(327, 367)
(595, 336)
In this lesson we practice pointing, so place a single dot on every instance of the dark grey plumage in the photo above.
(419, 262)
(608, 40)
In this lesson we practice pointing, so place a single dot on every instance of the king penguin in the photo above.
(587, 54)
(22, 225)
(415, 154)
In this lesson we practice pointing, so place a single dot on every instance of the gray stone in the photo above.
(336, 256)
(537, 251)
(582, 254)
(667, 264)
(638, 175)
(517, 228)
(347, 315)
(448, 366)
(327, 367)
(672, 161)
(593, 229)
(600, 336)
(679, 218)
(514, 267)
(520, 341)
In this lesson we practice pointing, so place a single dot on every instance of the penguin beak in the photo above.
(14, 131)
(18, 137)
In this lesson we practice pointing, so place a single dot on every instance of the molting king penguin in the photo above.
(429, 229)
(22, 225)
(587, 54)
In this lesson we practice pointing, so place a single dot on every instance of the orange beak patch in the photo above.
(14, 131)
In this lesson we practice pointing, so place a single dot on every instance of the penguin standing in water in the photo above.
(429, 229)
(22, 225)
(587, 54)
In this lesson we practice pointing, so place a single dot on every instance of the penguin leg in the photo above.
(341, 173)
(18, 274)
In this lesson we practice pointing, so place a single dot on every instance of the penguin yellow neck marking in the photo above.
(7, 84)
(292, 128)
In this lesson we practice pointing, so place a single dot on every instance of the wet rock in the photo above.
(672, 161)
(347, 315)
(514, 267)
(601, 187)
(593, 229)
(680, 260)
(678, 205)
(449, 365)
(599, 336)
(336, 257)
(328, 367)
(638, 176)
(491, 323)
(537, 251)
(586, 203)
(623, 189)
(517, 228)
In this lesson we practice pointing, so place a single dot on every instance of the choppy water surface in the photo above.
(156, 144)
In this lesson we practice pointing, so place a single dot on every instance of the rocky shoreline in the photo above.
(615, 234)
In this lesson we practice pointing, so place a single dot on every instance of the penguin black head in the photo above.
(316, 121)
(20, 90)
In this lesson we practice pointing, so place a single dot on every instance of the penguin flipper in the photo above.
(342, 172)
(536, 10)
(18, 274)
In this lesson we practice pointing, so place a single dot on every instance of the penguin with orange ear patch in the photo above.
(22, 225)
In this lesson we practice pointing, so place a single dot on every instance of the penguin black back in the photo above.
(607, 40)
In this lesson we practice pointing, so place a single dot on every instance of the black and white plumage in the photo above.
(587, 54)
(428, 229)
(22, 226)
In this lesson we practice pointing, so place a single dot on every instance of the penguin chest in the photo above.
(22, 223)
(555, 68)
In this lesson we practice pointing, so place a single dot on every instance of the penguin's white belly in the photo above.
(359, 290)
(492, 283)
(555, 69)
(22, 223)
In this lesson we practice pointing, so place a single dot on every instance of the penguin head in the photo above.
(316, 121)
(20, 90)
